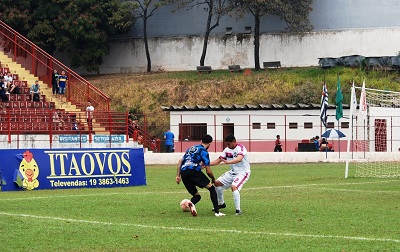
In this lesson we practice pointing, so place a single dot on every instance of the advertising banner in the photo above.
(34, 169)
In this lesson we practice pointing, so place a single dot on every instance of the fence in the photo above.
(41, 64)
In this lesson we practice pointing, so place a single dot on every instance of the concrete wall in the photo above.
(282, 157)
(325, 15)
(183, 53)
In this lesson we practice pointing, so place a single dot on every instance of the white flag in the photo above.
(362, 113)
(353, 104)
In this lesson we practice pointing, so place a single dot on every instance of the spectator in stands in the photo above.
(3, 90)
(8, 79)
(140, 139)
(132, 127)
(153, 143)
(35, 91)
(316, 143)
(14, 88)
(278, 144)
(89, 115)
(324, 144)
(57, 120)
(169, 141)
(54, 82)
(62, 82)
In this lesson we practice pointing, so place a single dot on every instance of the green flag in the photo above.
(339, 101)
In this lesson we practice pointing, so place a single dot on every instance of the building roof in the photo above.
(210, 107)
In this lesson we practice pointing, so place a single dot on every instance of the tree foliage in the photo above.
(79, 27)
(215, 10)
(293, 12)
(145, 10)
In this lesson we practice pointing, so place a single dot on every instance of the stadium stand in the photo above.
(21, 115)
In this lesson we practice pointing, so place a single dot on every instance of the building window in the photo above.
(344, 125)
(192, 131)
(256, 125)
(292, 125)
(228, 31)
(270, 125)
(308, 125)
(330, 125)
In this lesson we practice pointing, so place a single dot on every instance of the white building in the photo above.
(255, 125)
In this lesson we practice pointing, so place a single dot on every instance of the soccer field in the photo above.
(286, 207)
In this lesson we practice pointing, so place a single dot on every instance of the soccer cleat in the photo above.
(220, 206)
(238, 212)
(192, 209)
(219, 214)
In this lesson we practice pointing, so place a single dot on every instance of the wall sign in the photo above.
(34, 169)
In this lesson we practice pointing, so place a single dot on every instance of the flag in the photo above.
(353, 103)
(362, 113)
(324, 104)
(339, 101)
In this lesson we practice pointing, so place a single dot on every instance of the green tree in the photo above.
(147, 9)
(215, 10)
(79, 27)
(293, 12)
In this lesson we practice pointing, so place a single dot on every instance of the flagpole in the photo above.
(339, 106)
(338, 120)
(353, 107)
(324, 107)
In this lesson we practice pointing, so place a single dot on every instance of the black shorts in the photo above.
(192, 178)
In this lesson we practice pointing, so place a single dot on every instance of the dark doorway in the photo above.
(380, 135)
(227, 128)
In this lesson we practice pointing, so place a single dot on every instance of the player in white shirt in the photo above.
(236, 156)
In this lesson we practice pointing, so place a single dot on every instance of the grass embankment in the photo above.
(145, 93)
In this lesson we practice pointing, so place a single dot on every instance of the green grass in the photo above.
(287, 207)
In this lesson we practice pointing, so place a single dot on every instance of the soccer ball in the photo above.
(185, 205)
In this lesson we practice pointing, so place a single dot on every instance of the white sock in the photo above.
(236, 199)
(220, 194)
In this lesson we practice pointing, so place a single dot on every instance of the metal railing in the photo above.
(41, 64)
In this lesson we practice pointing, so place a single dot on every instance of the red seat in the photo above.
(4, 126)
(5, 70)
(24, 84)
(15, 76)
(38, 104)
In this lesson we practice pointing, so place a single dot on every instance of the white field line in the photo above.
(311, 186)
(104, 223)
(349, 190)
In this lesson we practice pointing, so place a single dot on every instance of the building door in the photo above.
(380, 135)
(227, 128)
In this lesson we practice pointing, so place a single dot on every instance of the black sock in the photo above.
(213, 196)
(195, 199)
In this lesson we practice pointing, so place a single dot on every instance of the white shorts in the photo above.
(237, 179)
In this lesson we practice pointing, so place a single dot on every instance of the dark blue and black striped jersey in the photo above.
(194, 157)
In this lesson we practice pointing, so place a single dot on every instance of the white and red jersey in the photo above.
(229, 154)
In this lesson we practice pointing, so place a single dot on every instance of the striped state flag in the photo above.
(324, 104)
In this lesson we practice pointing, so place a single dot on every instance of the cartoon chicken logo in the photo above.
(29, 171)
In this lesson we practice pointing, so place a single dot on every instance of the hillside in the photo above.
(144, 93)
